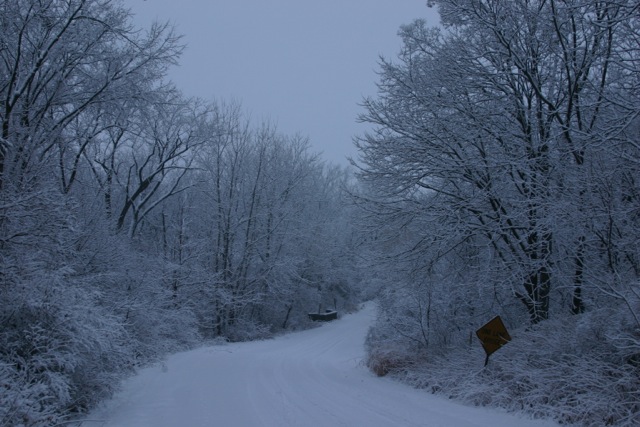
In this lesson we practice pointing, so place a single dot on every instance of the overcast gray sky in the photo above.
(302, 64)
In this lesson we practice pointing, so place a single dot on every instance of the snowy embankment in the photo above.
(309, 378)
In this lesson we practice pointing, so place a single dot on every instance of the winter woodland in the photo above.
(136, 222)
(502, 176)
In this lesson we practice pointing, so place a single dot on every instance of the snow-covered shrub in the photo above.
(155, 323)
(78, 310)
(22, 403)
(390, 348)
(572, 369)
(60, 353)
(248, 331)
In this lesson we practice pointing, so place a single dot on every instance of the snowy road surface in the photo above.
(310, 378)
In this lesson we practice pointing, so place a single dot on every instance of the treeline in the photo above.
(135, 221)
(503, 177)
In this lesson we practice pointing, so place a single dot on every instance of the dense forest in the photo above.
(135, 221)
(501, 177)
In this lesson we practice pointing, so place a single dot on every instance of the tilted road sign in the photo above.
(493, 335)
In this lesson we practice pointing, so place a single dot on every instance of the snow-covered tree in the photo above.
(495, 125)
(64, 65)
(499, 178)
(265, 207)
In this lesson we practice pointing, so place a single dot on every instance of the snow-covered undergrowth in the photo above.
(71, 325)
(64, 352)
(582, 370)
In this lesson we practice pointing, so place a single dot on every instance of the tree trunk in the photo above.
(286, 318)
(577, 303)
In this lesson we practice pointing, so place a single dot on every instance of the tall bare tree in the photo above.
(488, 125)
(60, 59)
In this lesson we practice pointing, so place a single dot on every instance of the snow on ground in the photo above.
(310, 378)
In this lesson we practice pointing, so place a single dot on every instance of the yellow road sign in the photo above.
(493, 335)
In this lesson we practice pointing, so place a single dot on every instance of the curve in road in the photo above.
(310, 378)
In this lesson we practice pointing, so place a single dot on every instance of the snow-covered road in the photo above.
(310, 378)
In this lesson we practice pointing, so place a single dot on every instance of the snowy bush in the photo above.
(572, 369)
(59, 352)
(248, 331)
(71, 326)
(389, 348)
